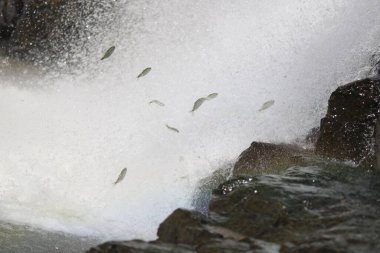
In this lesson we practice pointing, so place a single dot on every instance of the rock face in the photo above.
(348, 130)
(43, 25)
(260, 157)
(377, 145)
(40, 29)
(306, 209)
(10, 11)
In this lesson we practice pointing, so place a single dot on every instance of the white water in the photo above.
(65, 139)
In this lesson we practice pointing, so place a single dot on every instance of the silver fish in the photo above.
(266, 105)
(156, 102)
(121, 176)
(172, 128)
(144, 72)
(212, 96)
(198, 104)
(108, 53)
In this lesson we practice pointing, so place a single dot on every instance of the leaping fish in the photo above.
(172, 128)
(198, 104)
(212, 96)
(121, 176)
(266, 105)
(156, 102)
(108, 53)
(144, 72)
(200, 101)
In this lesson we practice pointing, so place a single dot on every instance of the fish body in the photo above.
(144, 72)
(212, 96)
(198, 104)
(172, 128)
(121, 176)
(156, 102)
(266, 105)
(200, 101)
(108, 53)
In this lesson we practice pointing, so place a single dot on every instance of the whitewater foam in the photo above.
(65, 137)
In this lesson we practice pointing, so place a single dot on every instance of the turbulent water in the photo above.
(66, 134)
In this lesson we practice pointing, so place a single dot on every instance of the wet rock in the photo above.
(305, 209)
(10, 11)
(377, 145)
(348, 130)
(42, 25)
(312, 136)
(266, 157)
(226, 246)
(138, 246)
(185, 227)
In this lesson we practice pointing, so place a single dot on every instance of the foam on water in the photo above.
(65, 138)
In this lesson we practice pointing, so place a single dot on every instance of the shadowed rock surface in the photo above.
(348, 130)
(41, 30)
(44, 26)
(10, 11)
(325, 207)
(267, 157)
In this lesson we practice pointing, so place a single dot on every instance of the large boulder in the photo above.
(348, 131)
(305, 209)
(269, 158)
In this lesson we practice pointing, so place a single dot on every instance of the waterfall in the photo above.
(66, 134)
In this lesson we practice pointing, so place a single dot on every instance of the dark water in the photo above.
(24, 239)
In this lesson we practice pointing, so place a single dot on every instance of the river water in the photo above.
(67, 131)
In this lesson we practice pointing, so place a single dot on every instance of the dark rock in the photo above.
(10, 11)
(226, 246)
(138, 246)
(348, 130)
(266, 157)
(43, 25)
(377, 145)
(185, 227)
(312, 136)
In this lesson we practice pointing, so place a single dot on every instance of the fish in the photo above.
(121, 176)
(172, 128)
(200, 101)
(198, 104)
(108, 53)
(212, 96)
(156, 102)
(144, 72)
(266, 105)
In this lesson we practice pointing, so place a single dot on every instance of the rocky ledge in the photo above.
(37, 29)
(314, 201)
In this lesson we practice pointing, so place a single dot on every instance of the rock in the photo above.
(312, 136)
(138, 246)
(43, 25)
(377, 145)
(185, 227)
(225, 246)
(10, 11)
(266, 157)
(305, 209)
(348, 129)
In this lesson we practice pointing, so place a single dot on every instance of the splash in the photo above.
(65, 136)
